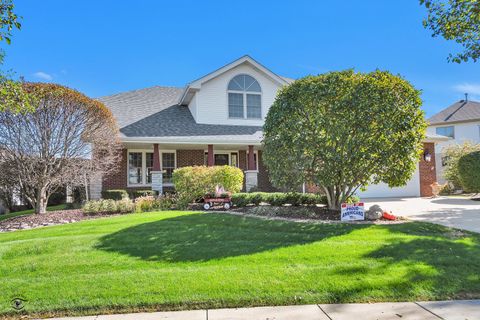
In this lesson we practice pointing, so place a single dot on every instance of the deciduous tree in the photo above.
(9, 20)
(457, 20)
(343, 131)
(67, 139)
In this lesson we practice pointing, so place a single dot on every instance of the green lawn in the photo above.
(183, 260)
(29, 211)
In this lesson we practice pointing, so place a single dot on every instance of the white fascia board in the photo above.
(189, 140)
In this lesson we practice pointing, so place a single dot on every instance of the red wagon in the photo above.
(211, 201)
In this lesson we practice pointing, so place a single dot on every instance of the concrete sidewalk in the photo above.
(449, 310)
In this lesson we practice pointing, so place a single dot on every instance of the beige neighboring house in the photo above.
(460, 122)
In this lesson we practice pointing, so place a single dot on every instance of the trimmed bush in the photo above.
(192, 183)
(277, 199)
(469, 171)
(115, 194)
(108, 206)
(134, 194)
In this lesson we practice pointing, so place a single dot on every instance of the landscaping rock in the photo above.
(375, 212)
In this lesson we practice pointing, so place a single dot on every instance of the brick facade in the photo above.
(428, 173)
(117, 179)
(264, 183)
(187, 158)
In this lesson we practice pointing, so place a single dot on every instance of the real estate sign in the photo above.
(352, 211)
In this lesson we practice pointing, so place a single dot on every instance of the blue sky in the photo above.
(104, 47)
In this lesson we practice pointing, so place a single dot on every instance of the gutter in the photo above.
(185, 140)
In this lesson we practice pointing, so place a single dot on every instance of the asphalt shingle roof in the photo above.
(132, 106)
(457, 112)
(177, 121)
(153, 112)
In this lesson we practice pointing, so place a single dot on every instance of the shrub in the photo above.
(446, 189)
(125, 206)
(353, 199)
(166, 202)
(150, 203)
(134, 194)
(192, 183)
(451, 156)
(277, 199)
(240, 199)
(108, 206)
(469, 171)
(115, 194)
(145, 204)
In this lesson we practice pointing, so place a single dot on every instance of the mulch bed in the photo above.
(50, 218)
(303, 213)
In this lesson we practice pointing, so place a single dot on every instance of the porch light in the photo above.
(427, 156)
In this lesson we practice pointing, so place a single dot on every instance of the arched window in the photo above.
(244, 98)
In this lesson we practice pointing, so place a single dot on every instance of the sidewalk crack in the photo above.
(436, 315)
(324, 312)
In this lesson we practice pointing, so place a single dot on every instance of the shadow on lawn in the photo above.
(440, 264)
(202, 237)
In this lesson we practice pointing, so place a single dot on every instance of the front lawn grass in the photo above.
(30, 211)
(183, 260)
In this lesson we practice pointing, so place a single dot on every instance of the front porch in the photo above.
(151, 165)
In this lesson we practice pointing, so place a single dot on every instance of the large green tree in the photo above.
(12, 95)
(457, 20)
(9, 20)
(343, 131)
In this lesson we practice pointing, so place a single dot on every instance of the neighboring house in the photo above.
(215, 120)
(460, 122)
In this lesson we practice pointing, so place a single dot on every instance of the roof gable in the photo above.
(195, 85)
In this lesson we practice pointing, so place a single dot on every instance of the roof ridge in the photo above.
(137, 90)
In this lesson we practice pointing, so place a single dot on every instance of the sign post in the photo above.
(352, 211)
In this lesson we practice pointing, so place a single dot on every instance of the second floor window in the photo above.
(244, 98)
(446, 131)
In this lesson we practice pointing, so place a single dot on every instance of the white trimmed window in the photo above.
(140, 166)
(244, 98)
(168, 165)
(135, 168)
(224, 158)
(446, 131)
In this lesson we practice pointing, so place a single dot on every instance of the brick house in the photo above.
(215, 120)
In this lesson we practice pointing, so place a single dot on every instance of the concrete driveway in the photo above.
(457, 212)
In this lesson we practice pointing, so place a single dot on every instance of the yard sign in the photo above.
(353, 211)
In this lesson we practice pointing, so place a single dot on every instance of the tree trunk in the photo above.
(332, 198)
(41, 201)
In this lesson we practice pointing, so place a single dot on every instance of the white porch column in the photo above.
(251, 175)
(157, 173)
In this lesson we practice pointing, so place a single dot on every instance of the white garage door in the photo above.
(411, 189)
